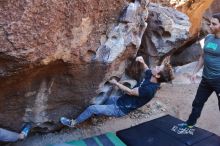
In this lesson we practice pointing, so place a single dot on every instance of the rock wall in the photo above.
(199, 12)
(195, 9)
(167, 30)
(56, 56)
(214, 7)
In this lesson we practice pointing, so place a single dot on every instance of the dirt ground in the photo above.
(175, 100)
(178, 100)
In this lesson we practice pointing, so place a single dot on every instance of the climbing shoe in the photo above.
(185, 125)
(26, 129)
(67, 122)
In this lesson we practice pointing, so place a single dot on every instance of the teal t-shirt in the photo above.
(211, 57)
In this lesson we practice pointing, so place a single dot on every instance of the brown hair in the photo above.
(217, 16)
(166, 75)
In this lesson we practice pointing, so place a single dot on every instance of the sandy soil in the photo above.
(175, 100)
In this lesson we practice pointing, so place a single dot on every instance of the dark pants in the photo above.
(206, 88)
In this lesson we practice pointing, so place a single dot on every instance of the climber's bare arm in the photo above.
(141, 60)
(127, 90)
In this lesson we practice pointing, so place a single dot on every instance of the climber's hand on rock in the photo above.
(140, 59)
(113, 81)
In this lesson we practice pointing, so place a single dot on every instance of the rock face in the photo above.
(55, 56)
(214, 8)
(167, 29)
(198, 12)
(195, 9)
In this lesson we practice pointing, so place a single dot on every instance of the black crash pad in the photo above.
(146, 136)
(210, 141)
(158, 133)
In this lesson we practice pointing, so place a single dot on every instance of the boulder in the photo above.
(56, 56)
(167, 29)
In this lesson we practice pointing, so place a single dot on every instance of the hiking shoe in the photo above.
(26, 129)
(67, 122)
(185, 125)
